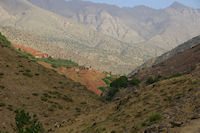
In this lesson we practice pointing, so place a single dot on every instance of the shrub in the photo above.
(134, 82)
(150, 80)
(111, 93)
(66, 98)
(27, 74)
(26, 124)
(175, 75)
(35, 94)
(152, 119)
(4, 39)
(103, 88)
(83, 102)
(2, 104)
(120, 82)
(108, 80)
(78, 109)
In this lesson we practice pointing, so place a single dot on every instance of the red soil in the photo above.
(31, 51)
(91, 78)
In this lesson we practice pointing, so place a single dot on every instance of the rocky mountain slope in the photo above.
(140, 24)
(185, 46)
(65, 38)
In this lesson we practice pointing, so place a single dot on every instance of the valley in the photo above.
(76, 66)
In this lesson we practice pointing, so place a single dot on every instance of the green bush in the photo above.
(26, 124)
(150, 80)
(103, 88)
(175, 75)
(134, 82)
(108, 80)
(121, 82)
(4, 39)
(68, 99)
(111, 93)
(27, 74)
(2, 104)
(152, 119)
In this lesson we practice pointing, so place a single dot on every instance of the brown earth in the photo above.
(89, 77)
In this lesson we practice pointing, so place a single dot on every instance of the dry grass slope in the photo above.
(53, 97)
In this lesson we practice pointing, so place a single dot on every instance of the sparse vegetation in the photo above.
(10, 107)
(175, 75)
(27, 74)
(78, 109)
(152, 119)
(66, 98)
(59, 62)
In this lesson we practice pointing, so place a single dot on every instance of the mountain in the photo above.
(140, 24)
(61, 37)
(152, 62)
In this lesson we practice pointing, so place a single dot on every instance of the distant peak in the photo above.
(177, 5)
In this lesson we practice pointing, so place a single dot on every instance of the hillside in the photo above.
(170, 104)
(89, 77)
(185, 46)
(182, 63)
(55, 99)
(27, 24)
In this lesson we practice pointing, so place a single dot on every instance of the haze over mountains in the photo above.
(105, 37)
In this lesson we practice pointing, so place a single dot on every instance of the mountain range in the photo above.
(166, 98)
(106, 37)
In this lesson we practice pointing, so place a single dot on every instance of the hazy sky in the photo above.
(151, 3)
